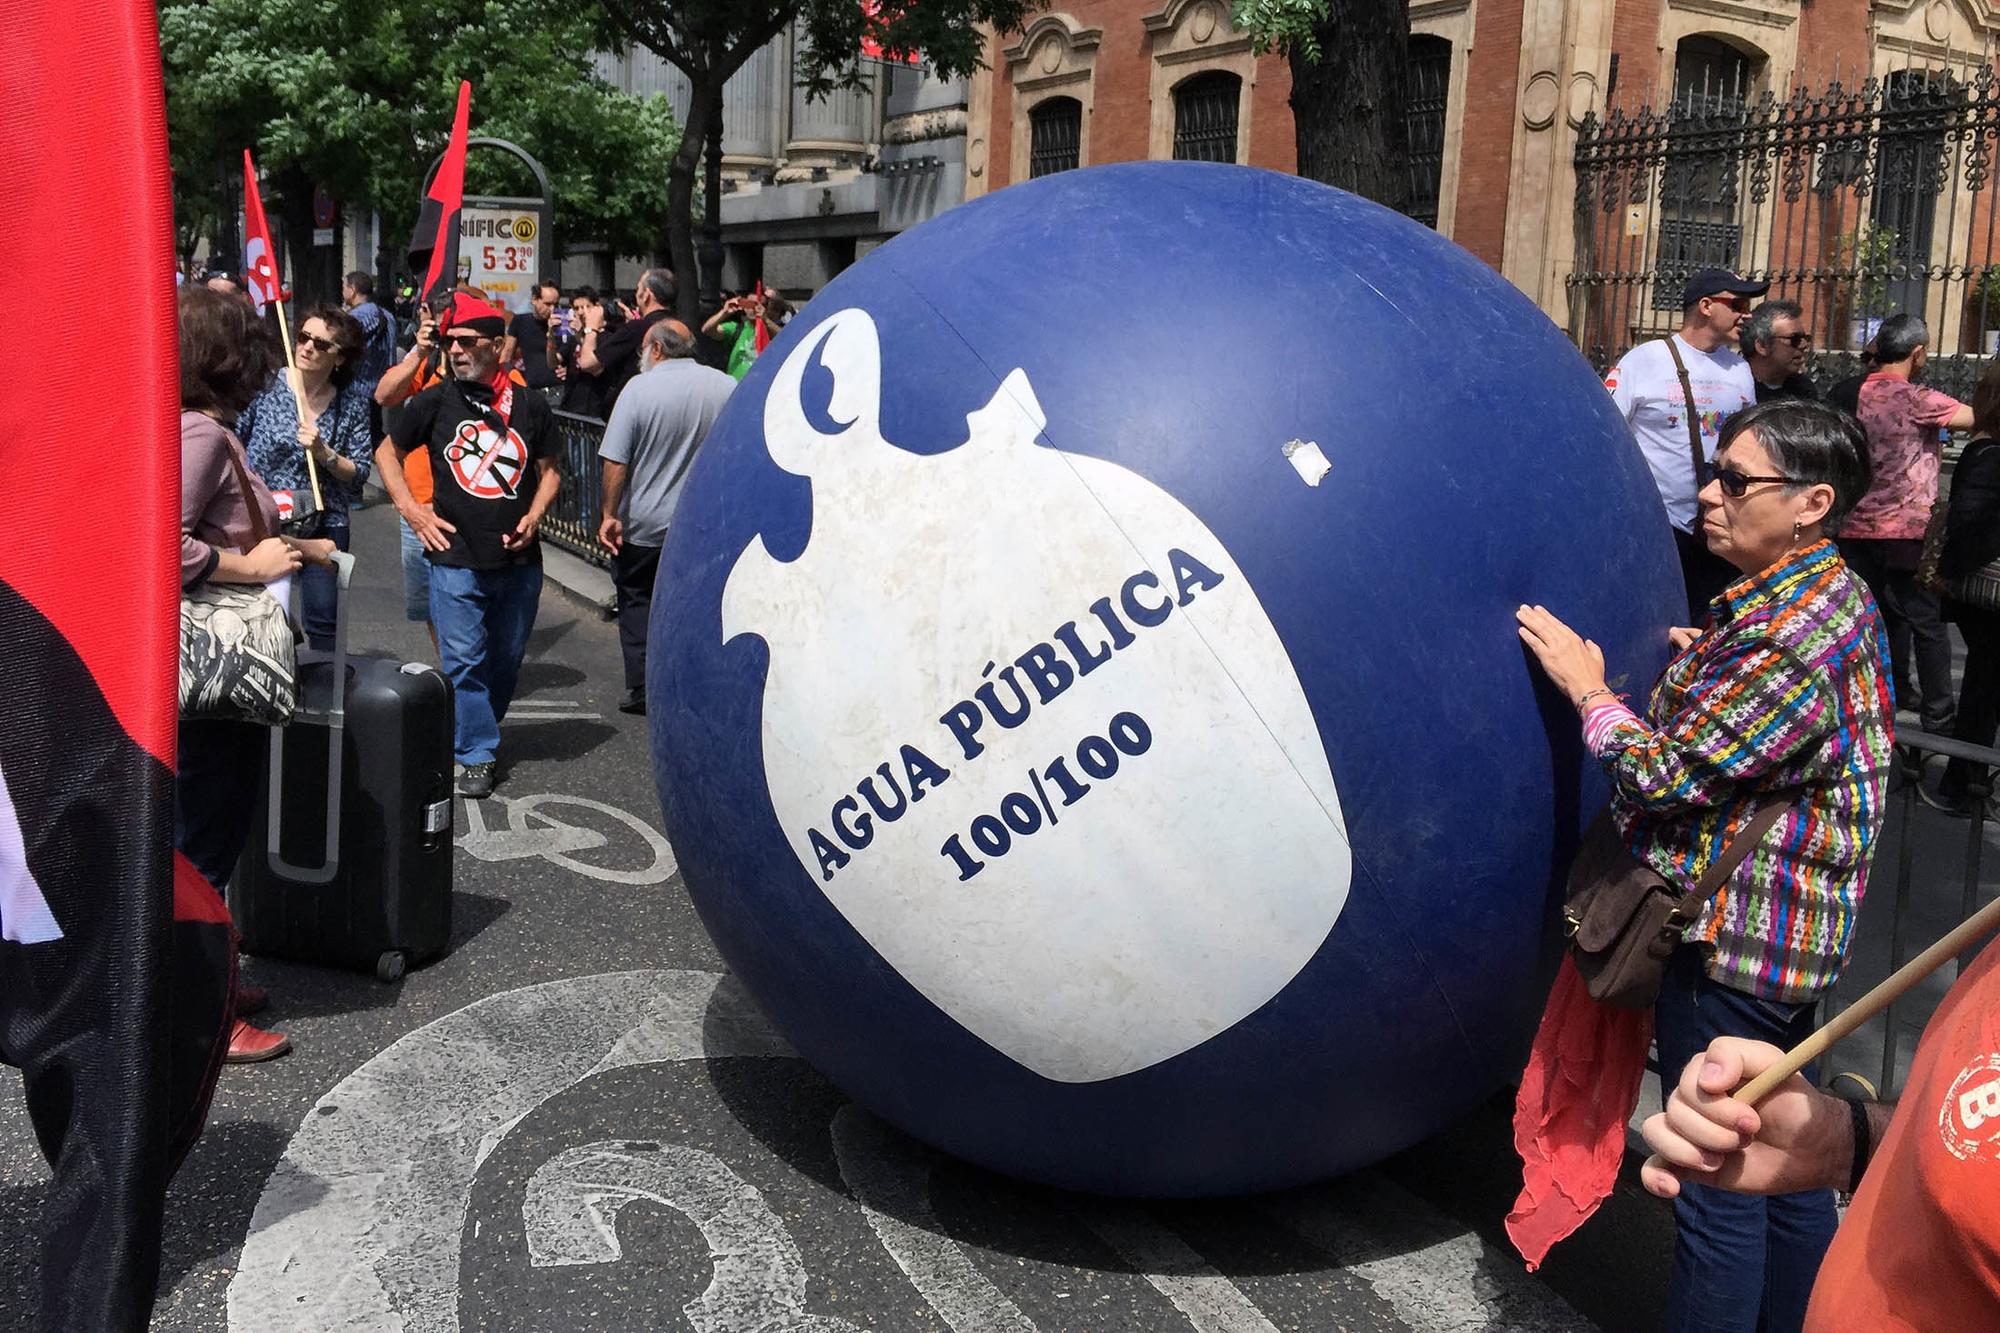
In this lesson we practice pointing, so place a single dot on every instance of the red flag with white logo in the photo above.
(260, 260)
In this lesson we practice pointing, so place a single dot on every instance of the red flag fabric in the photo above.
(437, 222)
(260, 258)
(95, 995)
(1576, 1099)
(762, 338)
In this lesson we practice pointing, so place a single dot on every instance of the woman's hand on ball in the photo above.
(1681, 637)
(1574, 664)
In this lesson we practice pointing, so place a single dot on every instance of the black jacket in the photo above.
(1972, 519)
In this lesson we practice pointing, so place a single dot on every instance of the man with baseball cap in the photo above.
(492, 449)
(1674, 394)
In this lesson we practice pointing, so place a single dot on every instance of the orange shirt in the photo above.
(1920, 1249)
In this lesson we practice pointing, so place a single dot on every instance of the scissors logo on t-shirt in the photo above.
(485, 464)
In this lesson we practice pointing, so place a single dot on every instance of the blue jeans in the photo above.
(483, 618)
(416, 575)
(1742, 1263)
(320, 587)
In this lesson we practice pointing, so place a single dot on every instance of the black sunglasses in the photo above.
(1736, 484)
(324, 344)
(1796, 339)
(465, 340)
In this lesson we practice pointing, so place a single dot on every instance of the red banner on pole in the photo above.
(260, 259)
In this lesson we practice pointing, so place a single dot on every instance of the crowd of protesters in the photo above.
(455, 420)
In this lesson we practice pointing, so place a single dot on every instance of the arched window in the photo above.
(1055, 136)
(1205, 117)
(1430, 85)
(1701, 180)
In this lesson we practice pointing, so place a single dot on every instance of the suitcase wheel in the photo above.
(389, 967)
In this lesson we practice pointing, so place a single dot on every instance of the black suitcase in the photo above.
(349, 861)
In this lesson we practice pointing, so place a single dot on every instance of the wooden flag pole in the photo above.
(298, 395)
(1874, 1002)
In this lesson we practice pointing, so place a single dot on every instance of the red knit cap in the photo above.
(470, 315)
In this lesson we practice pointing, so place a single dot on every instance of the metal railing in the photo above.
(1857, 201)
(571, 522)
(1907, 1015)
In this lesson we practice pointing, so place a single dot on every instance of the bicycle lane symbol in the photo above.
(526, 829)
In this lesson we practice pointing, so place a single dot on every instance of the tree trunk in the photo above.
(704, 96)
(1349, 107)
(710, 257)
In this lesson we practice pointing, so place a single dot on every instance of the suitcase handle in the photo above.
(336, 719)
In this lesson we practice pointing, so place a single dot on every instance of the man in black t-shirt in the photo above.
(528, 338)
(610, 357)
(492, 448)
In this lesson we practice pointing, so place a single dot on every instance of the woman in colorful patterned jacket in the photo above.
(1783, 695)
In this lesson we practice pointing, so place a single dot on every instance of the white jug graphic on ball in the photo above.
(1028, 727)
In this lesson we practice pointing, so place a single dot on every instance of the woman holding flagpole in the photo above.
(335, 440)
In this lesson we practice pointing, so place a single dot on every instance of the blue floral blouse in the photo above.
(269, 429)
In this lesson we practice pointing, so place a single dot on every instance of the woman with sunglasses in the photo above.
(336, 436)
(1782, 697)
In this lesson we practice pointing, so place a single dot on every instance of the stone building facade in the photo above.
(1500, 89)
(1499, 92)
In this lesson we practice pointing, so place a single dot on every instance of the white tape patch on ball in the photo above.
(1029, 728)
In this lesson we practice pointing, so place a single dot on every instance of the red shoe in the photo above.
(250, 999)
(248, 1045)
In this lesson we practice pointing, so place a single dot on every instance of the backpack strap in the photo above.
(1693, 419)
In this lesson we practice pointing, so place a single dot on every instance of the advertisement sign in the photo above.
(500, 247)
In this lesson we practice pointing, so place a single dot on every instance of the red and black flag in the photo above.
(115, 972)
(434, 244)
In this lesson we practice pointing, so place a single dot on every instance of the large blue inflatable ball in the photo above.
(1084, 686)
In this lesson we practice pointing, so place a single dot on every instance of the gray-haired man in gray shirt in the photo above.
(658, 422)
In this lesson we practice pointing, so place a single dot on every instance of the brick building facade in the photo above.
(1500, 90)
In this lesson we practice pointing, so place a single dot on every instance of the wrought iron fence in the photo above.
(1857, 202)
(571, 521)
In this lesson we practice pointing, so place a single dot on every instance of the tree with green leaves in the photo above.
(709, 40)
(358, 96)
(1350, 88)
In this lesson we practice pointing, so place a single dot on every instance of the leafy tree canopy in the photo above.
(359, 95)
(1289, 26)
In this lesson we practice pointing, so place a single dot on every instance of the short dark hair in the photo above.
(660, 282)
(1898, 338)
(226, 354)
(347, 335)
(1757, 328)
(549, 284)
(1815, 442)
(585, 294)
(362, 281)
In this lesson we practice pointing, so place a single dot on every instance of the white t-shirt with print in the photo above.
(1647, 389)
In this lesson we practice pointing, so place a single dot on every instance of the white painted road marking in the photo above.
(891, 1179)
(360, 1224)
(571, 1216)
(535, 832)
(1436, 1276)
(1211, 1302)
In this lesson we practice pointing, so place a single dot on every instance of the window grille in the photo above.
(1055, 136)
(1205, 117)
